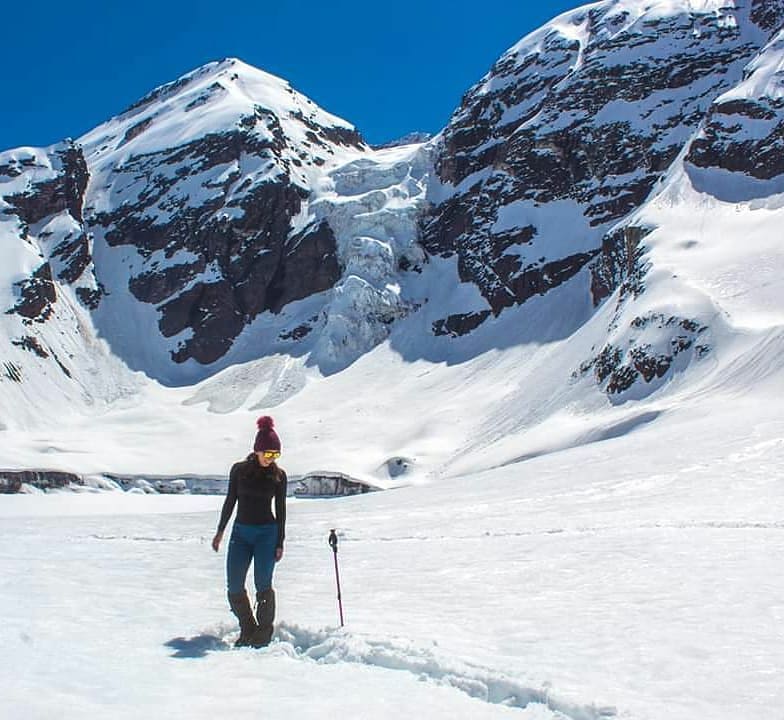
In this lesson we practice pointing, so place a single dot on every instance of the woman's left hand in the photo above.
(278, 554)
(216, 541)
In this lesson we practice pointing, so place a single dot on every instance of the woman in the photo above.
(257, 534)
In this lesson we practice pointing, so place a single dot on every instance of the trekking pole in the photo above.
(333, 543)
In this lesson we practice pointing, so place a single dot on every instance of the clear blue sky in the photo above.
(387, 68)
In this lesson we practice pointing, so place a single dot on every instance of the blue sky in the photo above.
(389, 69)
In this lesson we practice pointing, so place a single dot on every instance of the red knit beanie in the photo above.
(266, 437)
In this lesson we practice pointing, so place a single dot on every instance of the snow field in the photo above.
(611, 575)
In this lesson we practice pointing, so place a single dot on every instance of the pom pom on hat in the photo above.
(266, 437)
(265, 422)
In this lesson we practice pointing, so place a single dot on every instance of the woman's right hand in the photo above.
(216, 541)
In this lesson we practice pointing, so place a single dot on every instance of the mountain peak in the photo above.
(210, 100)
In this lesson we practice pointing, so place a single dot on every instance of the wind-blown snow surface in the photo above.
(611, 577)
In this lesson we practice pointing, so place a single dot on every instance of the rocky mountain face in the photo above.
(743, 133)
(569, 133)
(206, 182)
(224, 216)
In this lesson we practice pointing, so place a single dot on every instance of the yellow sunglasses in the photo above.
(271, 454)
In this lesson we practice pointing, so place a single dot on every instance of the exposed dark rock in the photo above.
(45, 199)
(768, 14)
(160, 93)
(136, 130)
(89, 298)
(310, 265)
(606, 362)
(742, 136)
(32, 344)
(244, 252)
(11, 480)
(12, 371)
(37, 295)
(64, 192)
(239, 263)
(296, 333)
(206, 96)
(10, 170)
(621, 379)
(406, 264)
(210, 310)
(10, 485)
(61, 365)
(463, 228)
(619, 263)
(460, 324)
(155, 286)
(75, 255)
(619, 369)
(129, 225)
(75, 176)
(217, 312)
(343, 136)
(336, 135)
(581, 127)
(648, 365)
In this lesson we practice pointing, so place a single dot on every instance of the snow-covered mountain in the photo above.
(203, 226)
(551, 154)
(596, 224)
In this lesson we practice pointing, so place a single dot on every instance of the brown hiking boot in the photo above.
(265, 616)
(240, 606)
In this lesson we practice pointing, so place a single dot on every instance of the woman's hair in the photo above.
(278, 472)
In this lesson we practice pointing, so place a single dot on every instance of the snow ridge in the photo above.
(329, 646)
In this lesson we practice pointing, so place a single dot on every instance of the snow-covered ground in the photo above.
(634, 575)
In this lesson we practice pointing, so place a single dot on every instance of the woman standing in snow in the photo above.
(257, 534)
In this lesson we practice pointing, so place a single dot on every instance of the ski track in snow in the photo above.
(330, 646)
(144, 538)
(707, 525)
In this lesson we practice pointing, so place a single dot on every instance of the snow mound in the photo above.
(429, 665)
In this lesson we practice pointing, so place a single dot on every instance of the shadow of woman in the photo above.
(196, 646)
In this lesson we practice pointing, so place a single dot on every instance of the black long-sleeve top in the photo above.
(252, 488)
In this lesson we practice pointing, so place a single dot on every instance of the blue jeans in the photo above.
(251, 542)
